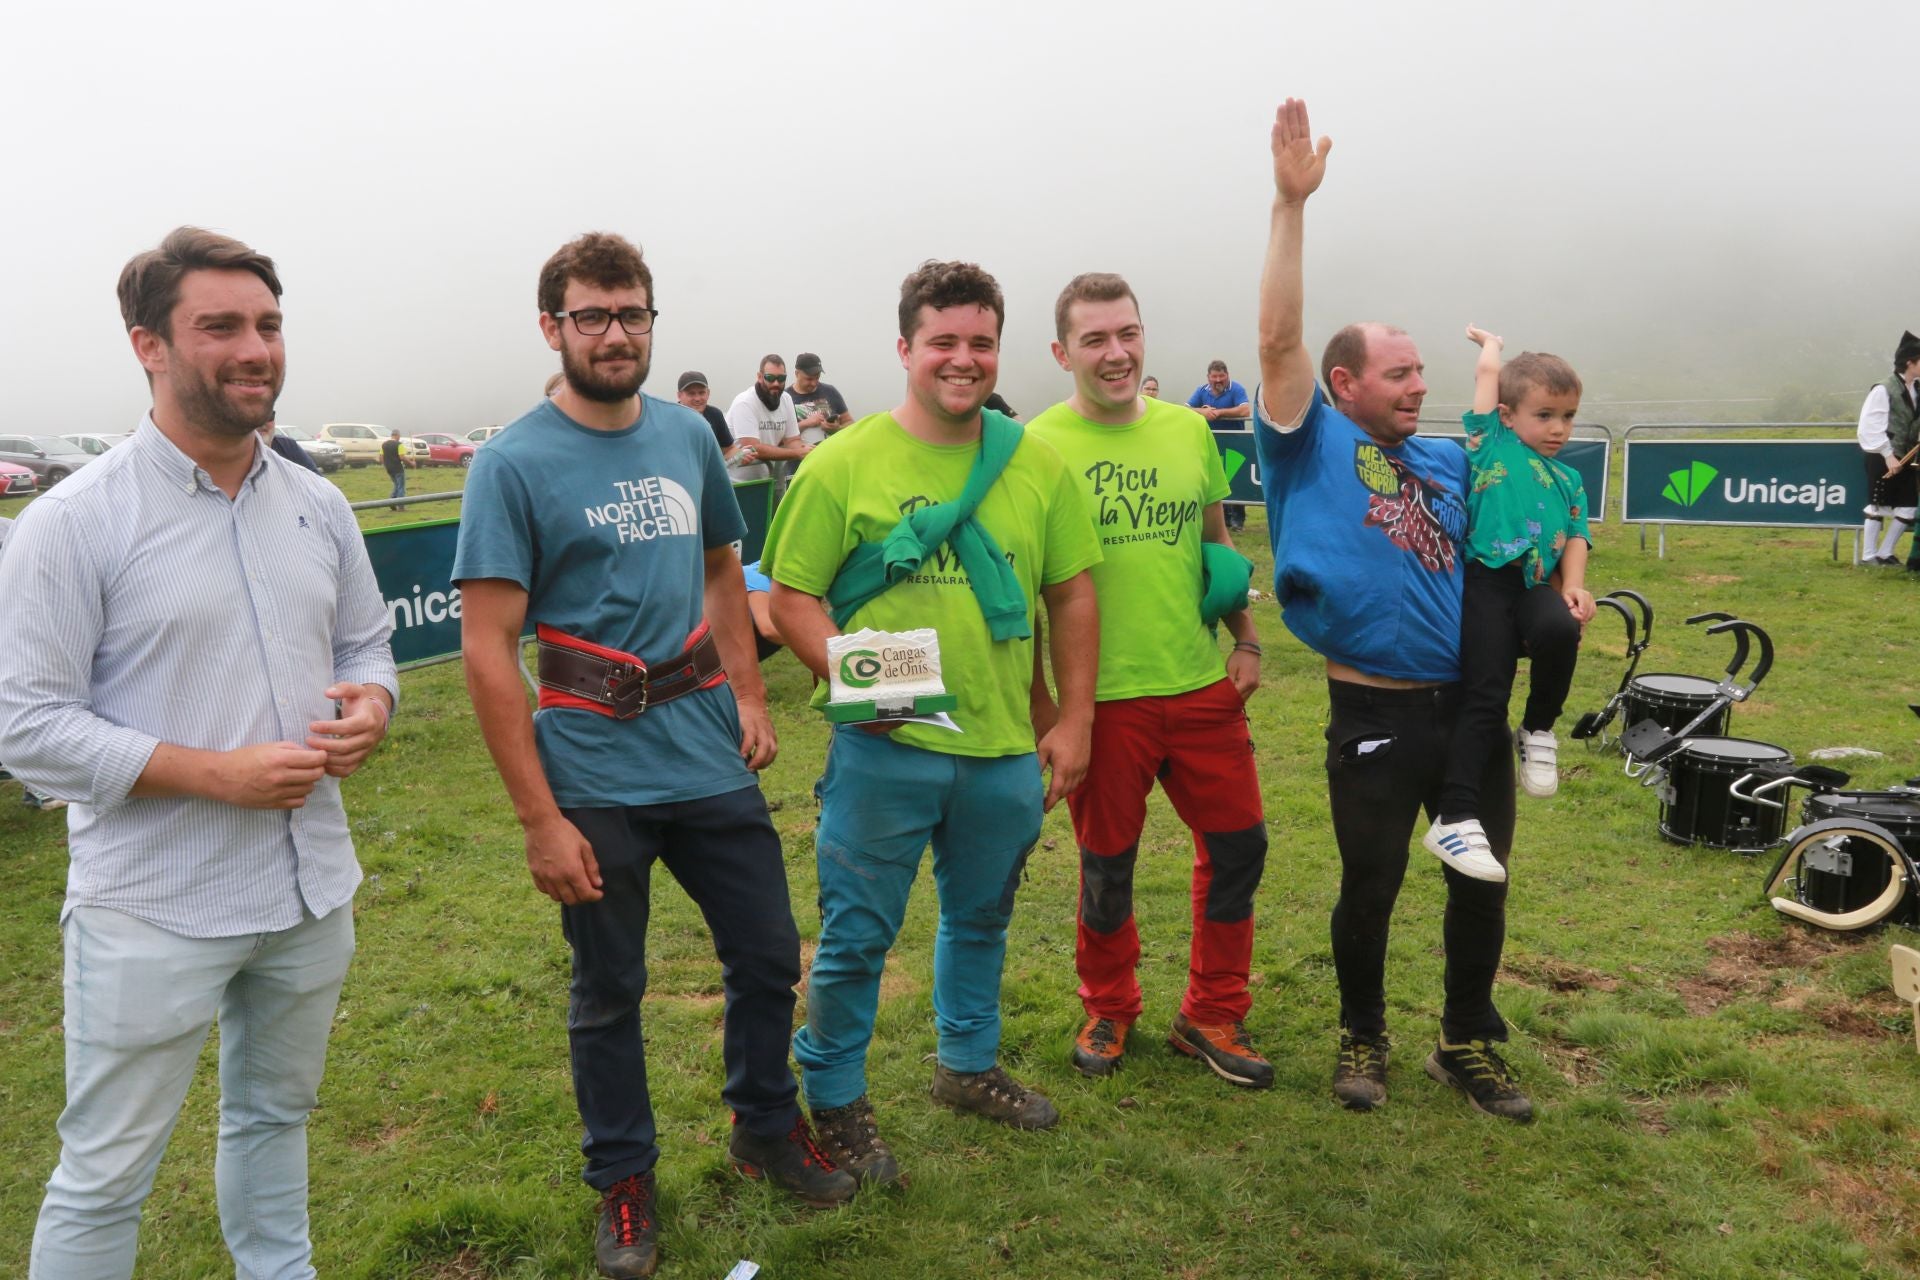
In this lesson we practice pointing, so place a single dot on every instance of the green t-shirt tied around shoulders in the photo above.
(1147, 485)
(875, 566)
(1520, 504)
(855, 489)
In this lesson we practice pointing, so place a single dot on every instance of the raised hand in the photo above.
(1480, 337)
(1298, 163)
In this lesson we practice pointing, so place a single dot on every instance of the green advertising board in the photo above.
(1808, 483)
(413, 563)
(1242, 465)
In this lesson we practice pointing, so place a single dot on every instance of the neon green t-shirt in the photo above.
(856, 486)
(1146, 485)
(1521, 505)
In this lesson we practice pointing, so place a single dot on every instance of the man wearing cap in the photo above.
(819, 406)
(693, 394)
(763, 413)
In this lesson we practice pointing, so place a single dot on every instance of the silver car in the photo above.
(49, 457)
(96, 444)
(326, 455)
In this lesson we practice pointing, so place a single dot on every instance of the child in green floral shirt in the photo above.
(1525, 588)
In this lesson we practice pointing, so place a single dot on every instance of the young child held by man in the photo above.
(1525, 589)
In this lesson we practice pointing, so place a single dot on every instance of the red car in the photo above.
(445, 451)
(16, 480)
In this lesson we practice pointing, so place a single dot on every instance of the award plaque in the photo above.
(885, 675)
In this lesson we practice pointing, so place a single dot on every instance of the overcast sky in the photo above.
(1683, 198)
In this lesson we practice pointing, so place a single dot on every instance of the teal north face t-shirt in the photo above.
(608, 532)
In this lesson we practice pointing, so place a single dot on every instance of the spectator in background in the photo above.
(553, 384)
(1150, 387)
(764, 413)
(1222, 400)
(693, 393)
(1889, 428)
(998, 403)
(393, 457)
(819, 406)
(287, 447)
(200, 713)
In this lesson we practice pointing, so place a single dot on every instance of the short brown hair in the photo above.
(150, 282)
(941, 285)
(1347, 350)
(1090, 286)
(1216, 366)
(598, 258)
(1532, 370)
(773, 359)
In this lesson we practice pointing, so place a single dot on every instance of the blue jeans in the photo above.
(881, 804)
(399, 484)
(725, 853)
(139, 1001)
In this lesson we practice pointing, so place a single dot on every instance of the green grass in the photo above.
(1721, 1092)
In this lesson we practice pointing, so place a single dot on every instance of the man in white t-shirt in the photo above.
(764, 412)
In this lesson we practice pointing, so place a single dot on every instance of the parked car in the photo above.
(326, 455)
(97, 444)
(17, 479)
(360, 440)
(49, 457)
(441, 450)
(480, 435)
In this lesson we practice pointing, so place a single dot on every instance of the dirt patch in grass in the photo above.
(1843, 1015)
(1555, 975)
(389, 1133)
(1878, 1207)
(1746, 964)
(1711, 579)
(1575, 1063)
(464, 1265)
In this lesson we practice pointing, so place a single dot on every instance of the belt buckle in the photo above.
(630, 674)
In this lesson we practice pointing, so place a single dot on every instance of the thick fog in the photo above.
(1691, 201)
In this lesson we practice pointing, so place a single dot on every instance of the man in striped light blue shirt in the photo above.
(201, 657)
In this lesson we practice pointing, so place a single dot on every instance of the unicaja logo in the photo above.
(1689, 486)
(860, 669)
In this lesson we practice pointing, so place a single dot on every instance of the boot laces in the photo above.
(630, 1207)
(802, 1136)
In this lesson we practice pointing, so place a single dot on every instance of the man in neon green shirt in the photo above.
(1167, 706)
(976, 795)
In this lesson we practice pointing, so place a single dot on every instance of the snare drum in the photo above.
(1671, 702)
(1695, 807)
(1851, 872)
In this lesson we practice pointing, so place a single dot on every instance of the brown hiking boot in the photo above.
(994, 1094)
(853, 1140)
(1100, 1046)
(793, 1162)
(1224, 1048)
(1360, 1077)
(623, 1239)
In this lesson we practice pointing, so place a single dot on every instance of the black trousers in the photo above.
(1386, 749)
(725, 853)
(1500, 619)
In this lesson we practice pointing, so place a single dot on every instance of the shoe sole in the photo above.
(749, 1170)
(1245, 1082)
(1096, 1067)
(1438, 1071)
(1360, 1104)
(1470, 874)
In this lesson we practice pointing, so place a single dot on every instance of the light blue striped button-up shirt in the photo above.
(143, 606)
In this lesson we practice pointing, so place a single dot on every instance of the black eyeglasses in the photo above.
(594, 321)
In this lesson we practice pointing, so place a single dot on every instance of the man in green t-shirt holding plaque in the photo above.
(1167, 707)
(1019, 532)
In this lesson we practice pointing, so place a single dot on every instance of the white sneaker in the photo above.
(1464, 846)
(1539, 761)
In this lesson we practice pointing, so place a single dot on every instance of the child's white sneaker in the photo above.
(1464, 846)
(1539, 761)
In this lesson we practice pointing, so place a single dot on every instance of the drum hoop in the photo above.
(1823, 802)
(1704, 694)
(1690, 750)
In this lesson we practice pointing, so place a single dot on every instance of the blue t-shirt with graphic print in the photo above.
(608, 532)
(1367, 560)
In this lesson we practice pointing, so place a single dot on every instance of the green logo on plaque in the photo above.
(1689, 486)
(860, 669)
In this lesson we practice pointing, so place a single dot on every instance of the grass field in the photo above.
(1722, 1093)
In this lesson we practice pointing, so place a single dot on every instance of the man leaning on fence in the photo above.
(199, 657)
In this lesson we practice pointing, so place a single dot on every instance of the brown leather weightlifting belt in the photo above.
(590, 677)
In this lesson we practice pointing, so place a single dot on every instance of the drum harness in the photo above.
(1593, 724)
(1648, 743)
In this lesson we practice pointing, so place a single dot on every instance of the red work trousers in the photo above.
(1197, 745)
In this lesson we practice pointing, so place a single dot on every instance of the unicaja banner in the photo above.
(1239, 460)
(1810, 483)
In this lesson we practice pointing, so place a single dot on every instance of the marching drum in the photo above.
(1695, 804)
(1846, 872)
(1672, 701)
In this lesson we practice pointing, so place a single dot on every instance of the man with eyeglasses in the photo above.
(607, 518)
(764, 412)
